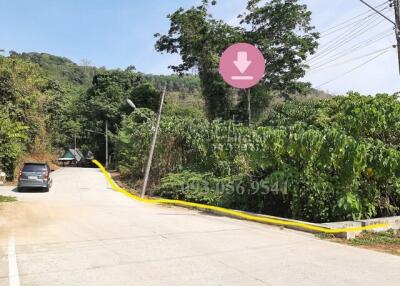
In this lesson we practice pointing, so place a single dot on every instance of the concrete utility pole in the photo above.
(153, 144)
(396, 6)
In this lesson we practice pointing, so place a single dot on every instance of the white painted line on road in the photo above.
(13, 274)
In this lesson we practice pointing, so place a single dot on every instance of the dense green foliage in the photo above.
(12, 142)
(48, 101)
(320, 167)
(59, 68)
(361, 117)
(106, 100)
(26, 95)
(175, 83)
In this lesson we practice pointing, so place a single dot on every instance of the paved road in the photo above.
(83, 233)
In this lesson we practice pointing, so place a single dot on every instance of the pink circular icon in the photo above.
(242, 65)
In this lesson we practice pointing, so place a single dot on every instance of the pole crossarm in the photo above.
(380, 13)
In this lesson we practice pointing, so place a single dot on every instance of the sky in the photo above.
(119, 33)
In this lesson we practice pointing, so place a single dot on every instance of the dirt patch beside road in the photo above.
(26, 216)
(388, 242)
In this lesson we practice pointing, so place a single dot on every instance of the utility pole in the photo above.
(106, 135)
(153, 144)
(249, 105)
(396, 5)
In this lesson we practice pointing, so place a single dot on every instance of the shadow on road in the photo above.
(29, 190)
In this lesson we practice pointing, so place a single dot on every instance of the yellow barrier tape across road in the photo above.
(234, 213)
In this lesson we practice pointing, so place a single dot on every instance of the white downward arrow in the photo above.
(242, 63)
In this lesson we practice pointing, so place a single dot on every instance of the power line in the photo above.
(396, 5)
(353, 18)
(352, 31)
(344, 39)
(353, 59)
(353, 69)
(338, 26)
(357, 24)
(352, 49)
(378, 12)
(348, 34)
(345, 27)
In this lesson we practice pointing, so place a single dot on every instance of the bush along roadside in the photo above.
(301, 170)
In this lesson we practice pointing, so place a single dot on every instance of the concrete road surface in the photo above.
(83, 233)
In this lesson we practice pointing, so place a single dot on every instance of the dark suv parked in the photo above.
(35, 175)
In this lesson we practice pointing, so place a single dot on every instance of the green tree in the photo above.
(282, 30)
(23, 98)
(59, 68)
(106, 101)
(109, 92)
(12, 141)
(145, 95)
(65, 115)
(200, 40)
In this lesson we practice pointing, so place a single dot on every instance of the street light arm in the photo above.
(142, 114)
(131, 104)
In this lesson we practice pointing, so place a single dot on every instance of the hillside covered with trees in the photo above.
(305, 155)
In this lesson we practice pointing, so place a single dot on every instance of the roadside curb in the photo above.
(333, 228)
